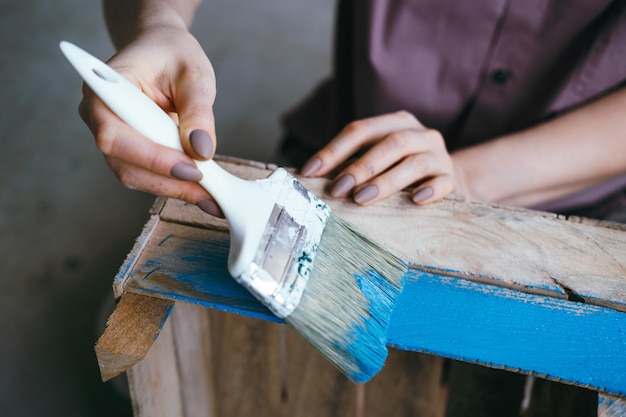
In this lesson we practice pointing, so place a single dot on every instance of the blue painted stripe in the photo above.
(446, 316)
(494, 326)
(195, 271)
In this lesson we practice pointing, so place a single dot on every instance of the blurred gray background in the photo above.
(66, 224)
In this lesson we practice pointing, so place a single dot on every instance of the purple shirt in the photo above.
(474, 70)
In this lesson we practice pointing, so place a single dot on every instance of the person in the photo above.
(512, 102)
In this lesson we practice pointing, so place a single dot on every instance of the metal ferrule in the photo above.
(284, 258)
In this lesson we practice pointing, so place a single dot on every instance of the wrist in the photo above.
(461, 182)
(127, 19)
(472, 179)
(163, 14)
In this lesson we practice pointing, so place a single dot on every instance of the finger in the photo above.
(194, 95)
(117, 140)
(393, 148)
(85, 106)
(355, 136)
(433, 190)
(137, 178)
(411, 170)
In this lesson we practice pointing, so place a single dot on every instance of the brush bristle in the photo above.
(346, 307)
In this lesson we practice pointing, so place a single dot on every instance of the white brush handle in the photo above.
(244, 203)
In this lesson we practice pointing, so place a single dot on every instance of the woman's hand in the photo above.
(168, 65)
(398, 152)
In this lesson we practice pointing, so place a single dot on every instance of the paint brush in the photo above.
(330, 282)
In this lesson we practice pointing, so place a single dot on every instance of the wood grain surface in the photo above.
(532, 251)
(509, 288)
(131, 330)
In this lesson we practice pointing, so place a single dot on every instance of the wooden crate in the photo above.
(507, 288)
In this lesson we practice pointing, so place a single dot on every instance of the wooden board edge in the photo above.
(122, 276)
(155, 387)
(130, 333)
(158, 204)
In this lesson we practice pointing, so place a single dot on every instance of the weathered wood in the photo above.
(154, 382)
(497, 327)
(550, 399)
(227, 364)
(314, 386)
(119, 282)
(508, 288)
(176, 377)
(181, 263)
(521, 249)
(245, 366)
(130, 332)
(408, 385)
(610, 406)
(437, 314)
(194, 360)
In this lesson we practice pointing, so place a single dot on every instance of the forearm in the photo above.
(567, 154)
(126, 18)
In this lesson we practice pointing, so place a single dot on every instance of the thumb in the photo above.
(194, 105)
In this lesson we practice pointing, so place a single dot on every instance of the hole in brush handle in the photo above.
(105, 77)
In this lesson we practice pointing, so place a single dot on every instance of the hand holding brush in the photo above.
(331, 283)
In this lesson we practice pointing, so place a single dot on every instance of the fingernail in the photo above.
(186, 172)
(366, 194)
(201, 143)
(423, 194)
(311, 166)
(210, 207)
(343, 186)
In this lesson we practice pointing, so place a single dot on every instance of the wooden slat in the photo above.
(154, 382)
(194, 360)
(314, 386)
(527, 250)
(489, 285)
(130, 332)
(497, 327)
(408, 385)
(177, 265)
(209, 363)
(119, 282)
(245, 366)
(175, 379)
(438, 314)
(610, 406)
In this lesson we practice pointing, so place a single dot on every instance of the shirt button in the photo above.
(500, 76)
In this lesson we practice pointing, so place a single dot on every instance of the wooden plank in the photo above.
(243, 355)
(119, 282)
(408, 385)
(176, 378)
(245, 366)
(542, 261)
(314, 387)
(438, 314)
(194, 360)
(176, 264)
(497, 327)
(154, 382)
(610, 406)
(130, 332)
(531, 251)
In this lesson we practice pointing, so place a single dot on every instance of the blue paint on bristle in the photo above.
(346, 307)
(381, 295)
